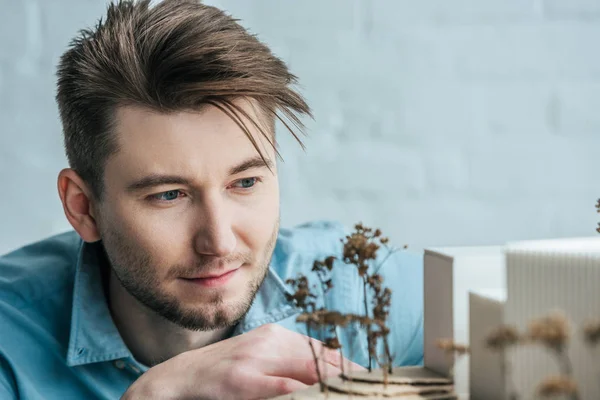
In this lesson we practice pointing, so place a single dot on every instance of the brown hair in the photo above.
(176, 55)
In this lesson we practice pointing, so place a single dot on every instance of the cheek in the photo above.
(157, 233)
(257, 223)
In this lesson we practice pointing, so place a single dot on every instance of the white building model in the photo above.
(471, 291)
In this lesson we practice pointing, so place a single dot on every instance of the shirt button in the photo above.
(135, 369)
(119, 364)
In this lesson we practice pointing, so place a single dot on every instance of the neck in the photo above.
(151, 338)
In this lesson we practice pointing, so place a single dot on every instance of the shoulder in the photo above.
(298, 247)
(315, 237)
(34, 272)
(36, 291)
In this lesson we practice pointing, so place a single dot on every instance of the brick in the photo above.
(388, 15)
(365, 166)
(578, 112)
(58, 30)
(584, 10)
(21, 33)
(437, 112)
(517, 108)
(530, 52)
(290, 19)
(446, 169)
(528, 166)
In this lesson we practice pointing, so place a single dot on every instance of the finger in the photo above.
(352, 366)
(295, 345)
(334, 357)
(272, 386)
(299, 369)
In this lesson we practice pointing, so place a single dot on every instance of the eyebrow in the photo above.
(160, 179)
(254, 162)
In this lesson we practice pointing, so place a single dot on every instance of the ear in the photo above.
(77, 201)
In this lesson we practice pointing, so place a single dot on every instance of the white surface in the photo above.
(539, 282)
(450, 274)
(573, 246)
(486, 312)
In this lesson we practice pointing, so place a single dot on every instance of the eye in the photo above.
(246, 183)
(167, 196)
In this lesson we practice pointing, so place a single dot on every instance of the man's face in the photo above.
(187, 200)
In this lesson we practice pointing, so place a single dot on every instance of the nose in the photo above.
(215, 236)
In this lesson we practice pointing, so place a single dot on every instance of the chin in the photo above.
(212, 317)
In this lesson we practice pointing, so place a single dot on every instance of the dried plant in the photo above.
(591, 332)
(454, 351)
(360, 250)
(303, 298)
(323, 270)
(501, 340)
(553, 332)
(558, 385)
(382, 300)
(598, 210)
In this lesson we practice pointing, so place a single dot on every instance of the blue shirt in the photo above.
(58, 339)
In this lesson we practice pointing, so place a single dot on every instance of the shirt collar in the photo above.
(94, 336)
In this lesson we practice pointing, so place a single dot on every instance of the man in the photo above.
(171, 285)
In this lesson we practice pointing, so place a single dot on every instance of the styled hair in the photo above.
(177, 55)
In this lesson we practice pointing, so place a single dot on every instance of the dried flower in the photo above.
(360, 248)
(333, 318)
(450, 346)
(592, 332)
(332, 343)
(302, 292)
(453, 351)
(551, 330)
(557, 385)
(301, 298)
(502, 337)
(329, 262)
(598, 210)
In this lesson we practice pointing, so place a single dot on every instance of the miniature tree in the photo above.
(330, 320)
(360, 249)
(500, 340)
(553, 332)
(304, 299)
(382, 299)
(591, 332)
(452, 350)
(558, 385)
(598, 210)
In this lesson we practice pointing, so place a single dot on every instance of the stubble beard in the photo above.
(136, 272)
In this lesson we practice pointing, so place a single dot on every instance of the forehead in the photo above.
(200, 143)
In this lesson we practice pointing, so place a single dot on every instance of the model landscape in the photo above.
(381, 379)
(519, 321)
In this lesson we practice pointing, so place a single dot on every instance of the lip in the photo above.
(213, 280)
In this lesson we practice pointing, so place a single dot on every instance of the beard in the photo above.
(137, 273)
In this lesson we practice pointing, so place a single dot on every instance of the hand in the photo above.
(266, 362)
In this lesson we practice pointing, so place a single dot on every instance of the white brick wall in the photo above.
(444, 122)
